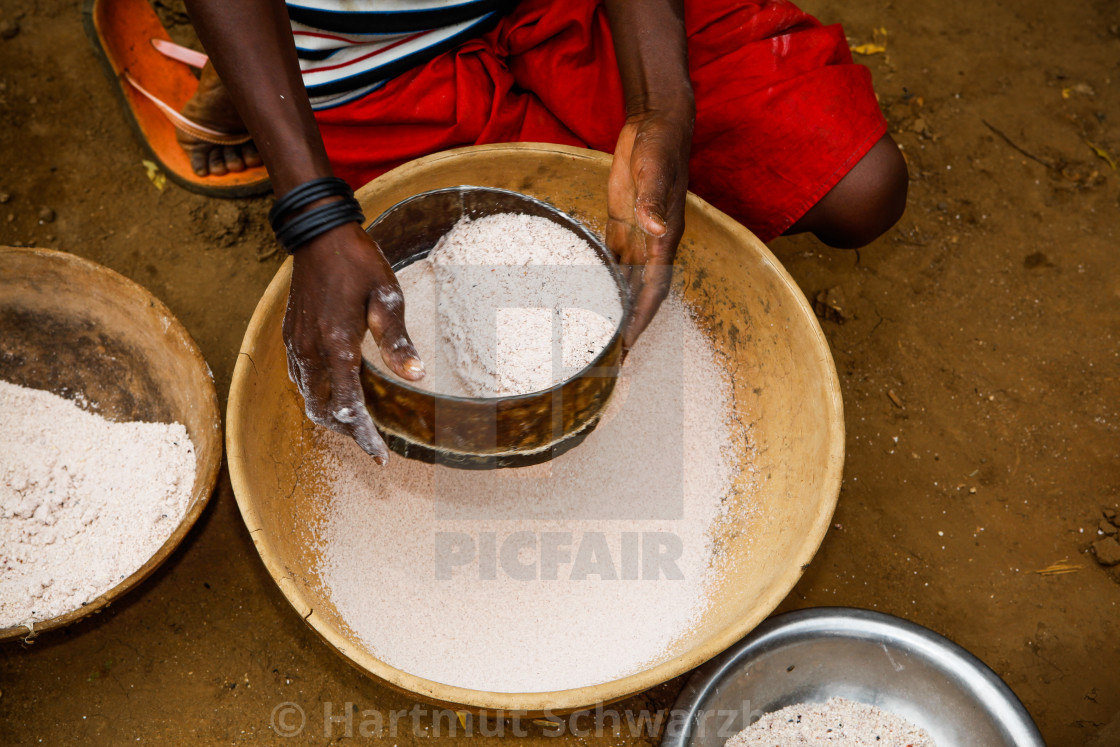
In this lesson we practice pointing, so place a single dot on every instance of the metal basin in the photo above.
(813, 655)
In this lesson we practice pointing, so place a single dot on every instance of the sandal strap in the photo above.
(189, 126)
(179, 53)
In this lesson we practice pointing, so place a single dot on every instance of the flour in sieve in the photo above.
(523, 303)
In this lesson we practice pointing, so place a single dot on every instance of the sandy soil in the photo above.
(978, 352)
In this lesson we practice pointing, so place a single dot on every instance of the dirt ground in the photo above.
(978, 346)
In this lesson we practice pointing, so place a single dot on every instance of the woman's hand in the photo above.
(645, 204)
(341, 286)
(341, 283)
(649, 175)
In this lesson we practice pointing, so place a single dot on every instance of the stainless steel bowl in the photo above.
(812, 655)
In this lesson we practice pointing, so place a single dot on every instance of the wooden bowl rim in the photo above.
(558, 701)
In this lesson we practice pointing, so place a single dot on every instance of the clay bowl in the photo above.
(493, 432)
(784, 385)
(76, 328)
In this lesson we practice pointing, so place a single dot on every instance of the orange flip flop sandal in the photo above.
(154, 83)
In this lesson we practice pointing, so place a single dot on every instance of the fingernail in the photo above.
(658, 222)
(372, 446)
(415, 367)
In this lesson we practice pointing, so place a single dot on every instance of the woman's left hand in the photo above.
(645, 205)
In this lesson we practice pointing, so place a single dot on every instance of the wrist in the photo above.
(337, 245)
(312, 209)
(677, 105)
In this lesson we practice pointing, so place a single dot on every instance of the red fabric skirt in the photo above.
(782, 112)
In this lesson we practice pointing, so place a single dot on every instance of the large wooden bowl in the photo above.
(80, 330)
(785, 385)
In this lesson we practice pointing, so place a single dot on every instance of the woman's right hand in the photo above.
(342, 285)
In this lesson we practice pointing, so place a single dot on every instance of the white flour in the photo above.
(522, 580)
(838, 721)
(84, 502)
(523, 303)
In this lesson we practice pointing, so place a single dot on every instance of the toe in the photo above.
(232, 154)
(250, 154)
(217, 162)
(199, 160)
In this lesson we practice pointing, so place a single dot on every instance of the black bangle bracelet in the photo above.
(306, 226)
(305, 194)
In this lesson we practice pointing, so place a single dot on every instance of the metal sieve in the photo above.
(491, 432)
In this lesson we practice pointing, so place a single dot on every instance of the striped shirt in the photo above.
(348, 48)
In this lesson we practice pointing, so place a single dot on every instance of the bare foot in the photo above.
(212, 106)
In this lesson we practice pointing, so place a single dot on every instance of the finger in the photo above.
(628, 272)
(620, 180)
(653, 182)
(232, 155)
(634, 281)
(618, 233)
(288, 333)
(293, 369)
(217, 162)
(251, 155)
(618, 237)
(385, 316)
(306, 369)
(315, 386)
(633, 259)
(348, 408)
(656, 279)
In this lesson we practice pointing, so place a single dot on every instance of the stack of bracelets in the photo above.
(294, 228)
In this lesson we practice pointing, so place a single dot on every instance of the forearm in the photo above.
(652, 51)
(251, 47)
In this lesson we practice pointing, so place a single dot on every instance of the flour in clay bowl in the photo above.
(85, 502)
